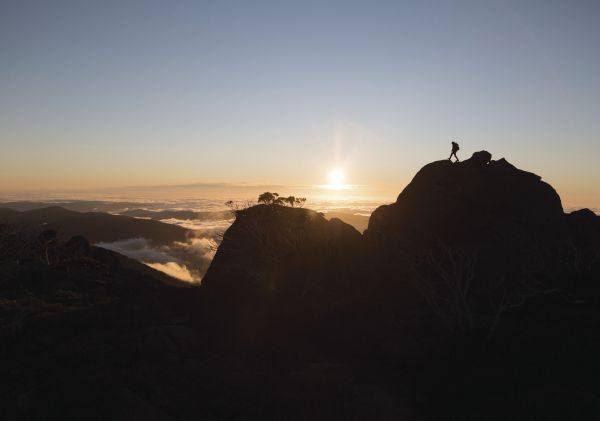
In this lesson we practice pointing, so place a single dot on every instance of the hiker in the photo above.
(455, 148)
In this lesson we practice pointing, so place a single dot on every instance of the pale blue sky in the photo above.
(110, 93)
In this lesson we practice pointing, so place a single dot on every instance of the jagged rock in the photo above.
(480, 158)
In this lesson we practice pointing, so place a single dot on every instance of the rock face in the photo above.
(467, 233)
(584, 228)
(272, 244)
(505, 224)
(465, 201)
(462, 241)
(277, 264)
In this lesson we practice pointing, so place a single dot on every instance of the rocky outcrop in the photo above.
(584, 251)
(464, 242)
(469, 201)
(280, 248)
(506, 222)
(278, 264)
(461, 242)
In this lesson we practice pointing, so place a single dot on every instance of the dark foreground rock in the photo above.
(510, 219)
(466, 240)
(283, 269)
(473, 297)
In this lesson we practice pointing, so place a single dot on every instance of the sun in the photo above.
(336, 178)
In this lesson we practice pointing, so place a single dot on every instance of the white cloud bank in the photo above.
(174, 270)
(187, 261)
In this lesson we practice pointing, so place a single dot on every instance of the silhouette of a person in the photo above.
(455, 148)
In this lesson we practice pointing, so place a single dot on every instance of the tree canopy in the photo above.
(269, 198)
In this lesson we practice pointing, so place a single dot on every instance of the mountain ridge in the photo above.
(95, 226)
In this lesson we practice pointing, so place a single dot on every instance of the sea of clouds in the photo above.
(207, 218)
(188, 261)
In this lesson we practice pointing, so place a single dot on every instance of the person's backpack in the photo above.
(455, 146)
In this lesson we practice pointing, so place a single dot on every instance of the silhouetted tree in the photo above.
(46, 244)
(290, 200)
(268, 198)
(238, 206)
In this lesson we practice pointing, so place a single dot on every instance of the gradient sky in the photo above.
(112, 93)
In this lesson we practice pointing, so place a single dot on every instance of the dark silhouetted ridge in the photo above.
(95, 226)
(281, 266)
(506, 223)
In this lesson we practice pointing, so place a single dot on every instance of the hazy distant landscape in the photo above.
(205, 218)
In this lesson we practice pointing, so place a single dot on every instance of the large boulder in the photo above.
(478, 234)
(463, 243)
(466, 201)
(283, 265)
(584, 256)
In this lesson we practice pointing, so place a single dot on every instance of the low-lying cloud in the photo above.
(140, 249)
(187, 261)
(208, 228)
(174, 270)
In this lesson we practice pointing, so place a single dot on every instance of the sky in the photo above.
(136, 93)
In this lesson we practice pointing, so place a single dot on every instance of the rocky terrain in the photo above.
(472, 297)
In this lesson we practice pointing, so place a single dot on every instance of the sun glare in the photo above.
(336, 178)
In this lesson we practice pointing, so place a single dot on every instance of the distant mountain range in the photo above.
(75, 205)
(178, 214)
(143, 210)
(95, 226)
